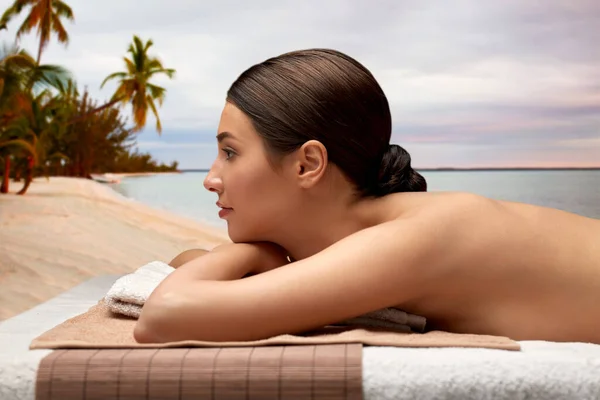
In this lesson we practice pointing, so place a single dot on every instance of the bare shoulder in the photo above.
(456, 225)
(442, 209)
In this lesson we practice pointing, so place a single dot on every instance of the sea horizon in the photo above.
(461, 169)
(573, 190)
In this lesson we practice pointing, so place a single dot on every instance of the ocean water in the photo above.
(573, 191)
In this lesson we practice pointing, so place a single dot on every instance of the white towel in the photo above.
(540, 371)
(129, 293)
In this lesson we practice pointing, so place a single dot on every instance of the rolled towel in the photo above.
(129, 293)
(391, 317)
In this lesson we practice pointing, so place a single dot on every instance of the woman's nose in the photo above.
(212, 183)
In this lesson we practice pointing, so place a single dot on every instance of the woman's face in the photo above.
(254, 199)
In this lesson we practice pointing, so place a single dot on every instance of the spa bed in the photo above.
(541, 370)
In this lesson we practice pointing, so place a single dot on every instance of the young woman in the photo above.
(329, 221)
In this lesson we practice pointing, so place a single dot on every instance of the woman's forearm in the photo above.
(230, 261)
(224, 263)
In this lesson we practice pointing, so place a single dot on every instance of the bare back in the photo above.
(508, 268)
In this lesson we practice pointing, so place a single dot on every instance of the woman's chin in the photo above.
(237, 235)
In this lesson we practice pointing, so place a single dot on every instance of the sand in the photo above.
(67, 230)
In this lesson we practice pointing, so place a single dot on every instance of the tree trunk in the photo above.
(80, 170)
(39, 57)
(6, 177)
(28, 177)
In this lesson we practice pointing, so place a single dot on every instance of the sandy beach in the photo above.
(67, 230)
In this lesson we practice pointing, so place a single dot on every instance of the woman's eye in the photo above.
(228, 153)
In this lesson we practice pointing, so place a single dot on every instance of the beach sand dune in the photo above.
(67, 230)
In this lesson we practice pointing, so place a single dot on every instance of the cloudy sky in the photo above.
(470, 83)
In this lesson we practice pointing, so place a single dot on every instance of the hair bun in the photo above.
(396, 174)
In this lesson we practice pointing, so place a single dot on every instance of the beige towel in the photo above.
(100, 328)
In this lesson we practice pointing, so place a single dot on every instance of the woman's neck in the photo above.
(317, 229)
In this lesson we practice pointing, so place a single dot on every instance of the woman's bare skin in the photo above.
(476, 266)
(519, 270)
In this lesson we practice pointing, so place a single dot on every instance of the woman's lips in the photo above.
(224, 212)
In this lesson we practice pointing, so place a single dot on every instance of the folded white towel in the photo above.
(129, 293)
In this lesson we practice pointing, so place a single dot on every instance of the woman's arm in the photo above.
(187, 256)
(228, 261)
(375, 268)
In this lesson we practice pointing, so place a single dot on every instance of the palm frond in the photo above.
(120, 75)
(157, 92)
(63, 10)
(12, 11)
(149, 44)
(38, 9)
(155, 112)
(20, 144)
(169, 72)
(58, 156)
(140, 109)
(19, 61)
(48, 75)
(8, 14)
(130, 65)
(154, 63)
(25, 27)
(59, 29)
(124, 92)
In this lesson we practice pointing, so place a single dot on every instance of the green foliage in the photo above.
(100, 142)
(45, 15)
(134, 84)
(49, 127)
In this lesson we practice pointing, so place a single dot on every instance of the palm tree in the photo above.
(19, 74)
(45, 15)
(9, 145)
(134, 84)
(39, 123)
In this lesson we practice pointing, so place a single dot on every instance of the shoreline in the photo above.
(67, 230)
(134, 174)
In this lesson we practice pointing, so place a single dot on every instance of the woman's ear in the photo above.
(311, 163)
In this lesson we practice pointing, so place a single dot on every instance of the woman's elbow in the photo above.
(215, 316)
(142, 333)
(154, 321)
(149, 328)
(168, 318)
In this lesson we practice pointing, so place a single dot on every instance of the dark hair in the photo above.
(325, 95)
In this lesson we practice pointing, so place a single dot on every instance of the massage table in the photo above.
(541, 370)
